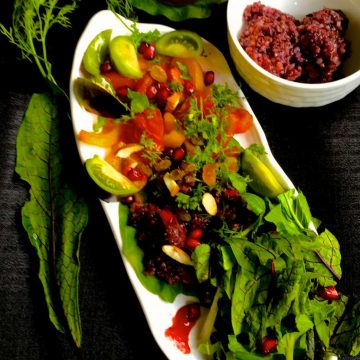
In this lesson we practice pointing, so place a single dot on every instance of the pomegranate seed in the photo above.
(105, 67)
(122, 92)
(147, 50)
(168, 152)
(235, 226)
(189, 87)
(135, 174)
(167, 216)
(196, 233)
(178, 154)
(209, 77)
(151, 92)
(127, 200)
(268, 345)
(193, 312)
(329, 293)
(231, 194)
(163, 93)
(192, 243)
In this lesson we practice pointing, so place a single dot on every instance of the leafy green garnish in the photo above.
(192, 201)
(224, 96)
(125, 9)
(139, 102)
(175, 86)
(184, 71)
(150, 151)
(138, 37)
(55, 216)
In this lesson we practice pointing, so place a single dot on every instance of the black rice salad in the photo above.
(312, 50)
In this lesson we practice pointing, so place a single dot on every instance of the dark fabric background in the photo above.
(318, 148)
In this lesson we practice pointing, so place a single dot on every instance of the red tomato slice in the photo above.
(238, 121)
(144, 83)
(118, 80)
(128, 133)
(151, 121)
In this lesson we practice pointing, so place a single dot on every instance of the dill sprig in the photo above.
(31, 22)
(121, 7)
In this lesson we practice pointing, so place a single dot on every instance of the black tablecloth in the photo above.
(317, 147)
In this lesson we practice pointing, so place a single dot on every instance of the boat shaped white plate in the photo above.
(158, 313)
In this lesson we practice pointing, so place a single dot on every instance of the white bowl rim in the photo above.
(332, 84)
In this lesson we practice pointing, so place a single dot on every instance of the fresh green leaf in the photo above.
(201, 259)
(329, 252)
(254, 203)
(292, 215)
(239, 182)
(55, 215)
(184, 71)
(139, 102)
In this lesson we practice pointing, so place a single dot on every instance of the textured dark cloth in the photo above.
(318, 148)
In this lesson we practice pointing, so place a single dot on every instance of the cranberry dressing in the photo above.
(311, 50)
(183, 321)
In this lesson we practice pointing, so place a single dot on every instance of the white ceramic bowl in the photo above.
(288, 92)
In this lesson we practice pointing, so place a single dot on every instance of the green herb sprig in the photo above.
(31, 23)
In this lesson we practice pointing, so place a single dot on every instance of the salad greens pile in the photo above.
(269, 285)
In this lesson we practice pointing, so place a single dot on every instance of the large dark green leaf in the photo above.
(346, 340)
(200, 9)
(55, 215)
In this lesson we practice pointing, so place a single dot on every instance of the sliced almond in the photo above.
(209, 204)
(177, 254)
(129, 149)
(171, 184)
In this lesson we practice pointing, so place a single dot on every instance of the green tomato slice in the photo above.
(124, 56)
(96, 52)
(263, 180)
(180, 43)
(108, 178)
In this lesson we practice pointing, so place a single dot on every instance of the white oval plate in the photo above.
(158, 313)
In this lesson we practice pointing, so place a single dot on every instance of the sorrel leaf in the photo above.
(54, 216)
